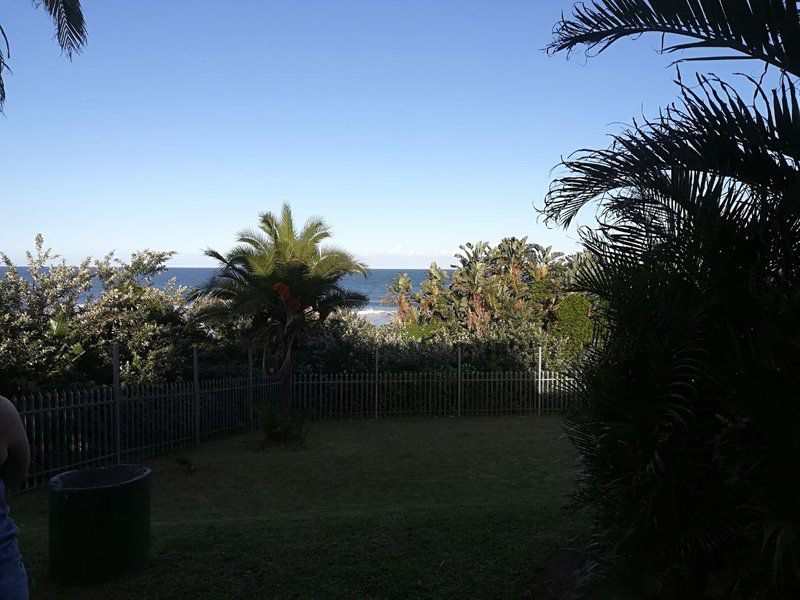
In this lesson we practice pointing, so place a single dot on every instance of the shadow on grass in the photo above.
(421, 508)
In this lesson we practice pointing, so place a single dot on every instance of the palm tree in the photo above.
(70, 32)
(689, 435)
(280, 282)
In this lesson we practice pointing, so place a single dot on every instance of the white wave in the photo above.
(375, 311)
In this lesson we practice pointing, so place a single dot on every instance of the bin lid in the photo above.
(90, 478)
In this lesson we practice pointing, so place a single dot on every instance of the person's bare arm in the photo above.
(14, 444)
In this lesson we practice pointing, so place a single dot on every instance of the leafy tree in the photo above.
(498, 292)
(689, 433)
(573, 326)
(435, 299)
(511, 260)
(70, 32)
(470, 280)
(151, 325)
(399, 293)
(346, 342)
(281, 281)
(53, 332)
(546, 260)
(574, 264)
(37, 317)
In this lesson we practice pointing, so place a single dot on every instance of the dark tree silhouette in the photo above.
(690, 434)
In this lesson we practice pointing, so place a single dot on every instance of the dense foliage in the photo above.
(689, 437)
(499, 304)
(349, 343)
(54, 332)
(58, 322)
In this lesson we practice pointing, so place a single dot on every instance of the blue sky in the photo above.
(412, 126)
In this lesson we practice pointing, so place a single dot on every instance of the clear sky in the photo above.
(412, 126)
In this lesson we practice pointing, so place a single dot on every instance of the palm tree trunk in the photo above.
(286, 377)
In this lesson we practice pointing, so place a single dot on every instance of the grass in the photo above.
(412, 508)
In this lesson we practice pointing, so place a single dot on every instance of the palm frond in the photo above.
(70, 25)
(254, 238)
(70, 33)
(286, 223)
(767, 30)
(336, 298)
(314, 231)
(333, 261)
(3, 67)
(713, 130)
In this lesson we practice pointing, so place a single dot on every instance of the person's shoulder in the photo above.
(7, 408)
(10, 420)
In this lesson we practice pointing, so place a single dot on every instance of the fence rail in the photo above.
(94, 426)
(102, 425)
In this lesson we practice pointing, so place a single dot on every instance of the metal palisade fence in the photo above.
(93, 426)
(102, 425)
(432, 393)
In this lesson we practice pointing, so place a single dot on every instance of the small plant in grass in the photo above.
(283, 427)
(186, 464)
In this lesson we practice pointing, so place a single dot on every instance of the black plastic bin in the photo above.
(99, 523)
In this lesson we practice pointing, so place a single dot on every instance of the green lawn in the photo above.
(407, 508)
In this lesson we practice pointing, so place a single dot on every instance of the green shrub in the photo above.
(284, 428)
(53, 334)
(573, 326)
(346, 342)
(689, 436)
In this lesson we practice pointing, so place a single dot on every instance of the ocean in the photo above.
(374, 286)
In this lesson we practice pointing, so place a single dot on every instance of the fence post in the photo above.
(376, 383)
(196, 372)
(250, 392)
(459, 381)
(250, 375)
(539, 381)
(117, 401)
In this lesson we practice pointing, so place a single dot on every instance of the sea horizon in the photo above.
(374, 285)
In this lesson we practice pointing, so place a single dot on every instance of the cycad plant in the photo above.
(280, 282)
(689, 437)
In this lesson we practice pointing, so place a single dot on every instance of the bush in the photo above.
(283, 428)
(53, 333)
(690, 433)
(689, 438)
(346, 342)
